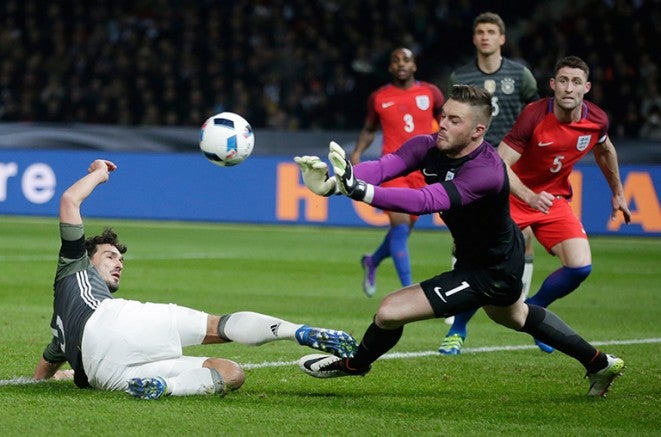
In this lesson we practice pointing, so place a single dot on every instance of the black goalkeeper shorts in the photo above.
(460, 290)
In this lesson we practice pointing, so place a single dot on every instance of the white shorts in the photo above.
(127, 339)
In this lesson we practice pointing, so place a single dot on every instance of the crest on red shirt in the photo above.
(422, 102)
(583, 142)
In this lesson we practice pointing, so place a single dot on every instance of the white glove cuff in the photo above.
(333, 189)
(369, 194)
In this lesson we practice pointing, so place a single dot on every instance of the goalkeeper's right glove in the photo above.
(348, 184)
(315, 175)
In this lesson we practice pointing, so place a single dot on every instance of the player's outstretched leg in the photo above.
(338, 343)
(601, 368)
(557, 285)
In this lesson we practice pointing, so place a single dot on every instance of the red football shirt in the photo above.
(404, 113)
(549, 149)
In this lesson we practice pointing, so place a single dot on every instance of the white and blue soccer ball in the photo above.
(226, 139)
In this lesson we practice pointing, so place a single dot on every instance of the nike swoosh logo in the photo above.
(438, 291)
(387, 104)
(540, 144)
(350, 180)
(424, 172)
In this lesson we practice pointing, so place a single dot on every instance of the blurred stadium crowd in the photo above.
(300, 64)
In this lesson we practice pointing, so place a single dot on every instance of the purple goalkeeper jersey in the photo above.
(471, 194)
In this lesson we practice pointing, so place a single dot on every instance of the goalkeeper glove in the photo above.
(349, 185)
(315, 175)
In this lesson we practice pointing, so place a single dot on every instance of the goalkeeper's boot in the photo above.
(338, 343)
(147, 388)
(451, 345)
(544, 347)
(602, 380)
(328, 366)
(369, 278)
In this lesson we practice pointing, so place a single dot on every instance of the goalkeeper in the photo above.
(468, 186)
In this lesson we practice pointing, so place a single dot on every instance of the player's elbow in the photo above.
(69, 201)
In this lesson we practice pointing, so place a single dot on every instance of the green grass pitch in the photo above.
(501, 385)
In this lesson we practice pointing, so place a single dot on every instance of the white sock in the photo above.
(527, 276)
(202, 381)
(247, 327)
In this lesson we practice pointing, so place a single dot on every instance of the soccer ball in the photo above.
(226, 139)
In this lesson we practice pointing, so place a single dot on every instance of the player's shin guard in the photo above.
(247, 327)
(559, 284)
(543, 325)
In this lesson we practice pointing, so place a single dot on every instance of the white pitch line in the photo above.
(19, 380)
(468, 350)
(22, 380)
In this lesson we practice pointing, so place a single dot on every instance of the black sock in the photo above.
(375, 343)
(550, 329)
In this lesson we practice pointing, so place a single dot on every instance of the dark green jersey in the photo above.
(79, 289)
(512, 86)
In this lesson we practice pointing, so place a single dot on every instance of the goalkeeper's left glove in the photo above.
(315, 175)
(349, 185)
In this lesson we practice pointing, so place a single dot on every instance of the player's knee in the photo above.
(389, 315)
(233, 375)
(578, 274)
(513, 316)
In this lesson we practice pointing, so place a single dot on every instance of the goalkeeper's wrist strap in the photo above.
(369, 193)
(363, 192)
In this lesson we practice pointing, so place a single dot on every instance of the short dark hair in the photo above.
(572, 62)
(108, 236)
(489, 18)
(473, 96)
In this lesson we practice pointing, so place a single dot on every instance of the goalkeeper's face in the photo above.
(459, 131)
(109, 262)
